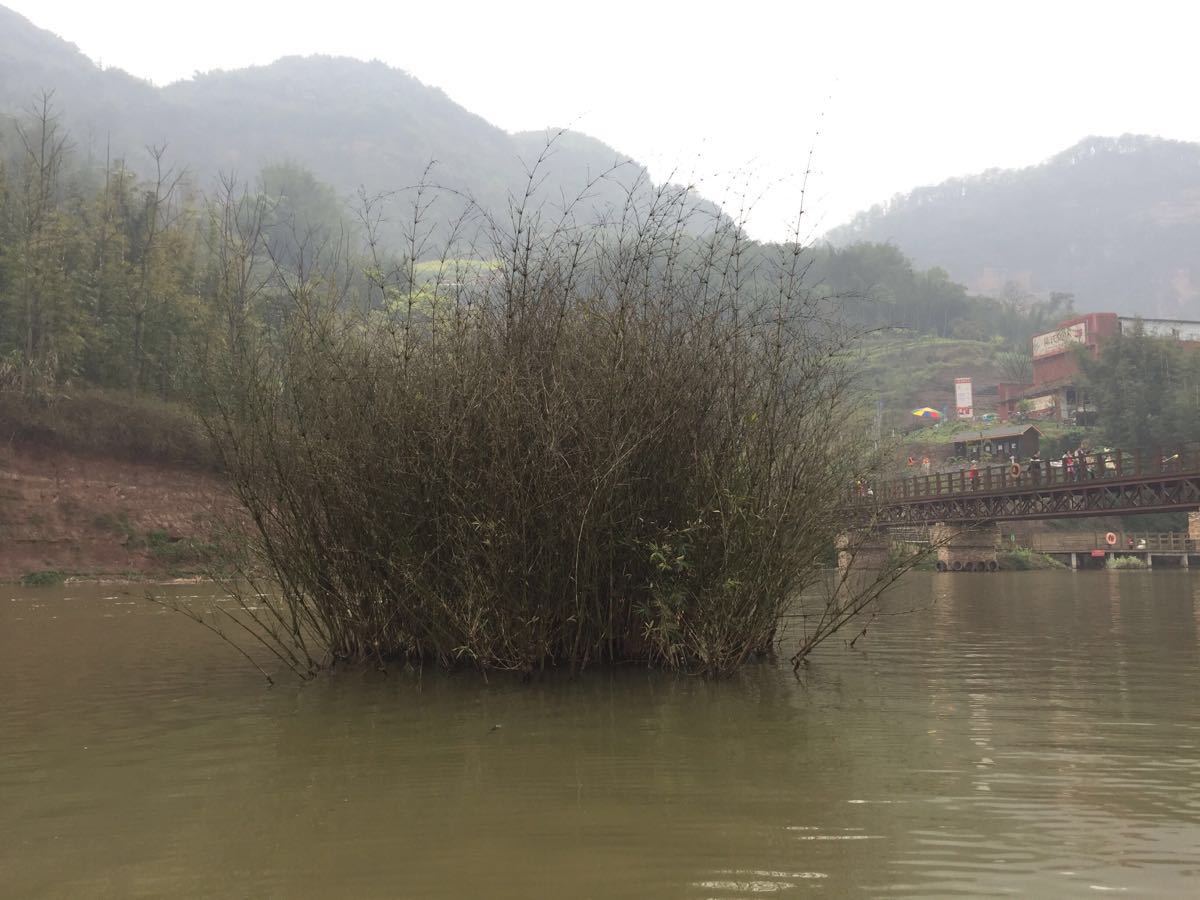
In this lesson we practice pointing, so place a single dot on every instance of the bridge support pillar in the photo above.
(1194, 526)
(1074, 560)
(966, 548)
(863, 550)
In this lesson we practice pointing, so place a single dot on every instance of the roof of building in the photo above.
(996, 431)
(1049, 386)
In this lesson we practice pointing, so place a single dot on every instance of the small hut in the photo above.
(998, 443)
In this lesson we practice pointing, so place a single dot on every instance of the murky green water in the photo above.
(1031, 734)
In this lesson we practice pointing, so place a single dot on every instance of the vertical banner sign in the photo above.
(963, 399)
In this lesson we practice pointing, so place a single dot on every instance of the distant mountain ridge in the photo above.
(1115, 221)
(352, 123)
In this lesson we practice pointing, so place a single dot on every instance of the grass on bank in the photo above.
(1132, 563)
(46, 578)
(97, 421)
(1023, 560)
(175, 552)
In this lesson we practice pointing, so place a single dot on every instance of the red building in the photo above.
(1056, 392)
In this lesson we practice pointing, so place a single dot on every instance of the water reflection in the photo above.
(1029, 733)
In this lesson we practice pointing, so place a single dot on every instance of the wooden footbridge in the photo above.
(1105, 483)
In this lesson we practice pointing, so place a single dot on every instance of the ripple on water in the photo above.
(755, 881)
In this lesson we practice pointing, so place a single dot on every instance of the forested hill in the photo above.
(1114, 221)
(351, 123)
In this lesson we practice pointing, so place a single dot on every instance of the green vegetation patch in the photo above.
(1126, 562)
(95, 420)
(47, 578)
(177, 552)
(1024, 560)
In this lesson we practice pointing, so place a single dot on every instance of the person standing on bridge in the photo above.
(1035, 467)
(973, 474)
(1068, 461)
(925, 464)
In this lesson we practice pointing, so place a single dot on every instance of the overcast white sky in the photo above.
(902, 93)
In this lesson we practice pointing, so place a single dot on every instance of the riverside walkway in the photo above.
(1114, 482)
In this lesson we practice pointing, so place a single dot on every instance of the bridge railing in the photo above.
(1106, 465)
(1127, 541)
(1158, 542)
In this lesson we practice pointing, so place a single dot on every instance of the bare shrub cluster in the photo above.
(548, 444)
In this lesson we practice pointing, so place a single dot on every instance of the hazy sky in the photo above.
(901, 93)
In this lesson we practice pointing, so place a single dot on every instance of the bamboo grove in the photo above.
(611, 443)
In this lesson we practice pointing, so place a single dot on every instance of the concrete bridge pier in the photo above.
(863, 550)
(966, 548)
(1194, 527)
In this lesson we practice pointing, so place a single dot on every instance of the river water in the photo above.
(1029, 733)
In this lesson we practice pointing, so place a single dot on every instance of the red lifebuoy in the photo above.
(1015, 471)
(1110, 539)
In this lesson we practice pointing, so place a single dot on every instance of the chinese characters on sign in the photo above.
(1057, 341)
(963, 399)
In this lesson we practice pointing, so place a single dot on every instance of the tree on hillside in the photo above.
(40, 245)
(1146, 390)
(879, 287)
(303, 211)
(237, 270)
(157, 288)
(1017, 366)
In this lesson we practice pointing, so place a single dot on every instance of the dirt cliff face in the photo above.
(68, 513)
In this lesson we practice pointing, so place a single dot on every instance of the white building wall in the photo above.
(1180, 329)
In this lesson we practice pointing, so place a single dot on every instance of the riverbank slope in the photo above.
(98, 485)
(68, 513)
